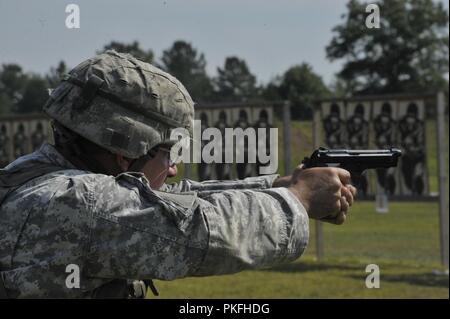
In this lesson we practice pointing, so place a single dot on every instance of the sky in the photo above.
(270, 35)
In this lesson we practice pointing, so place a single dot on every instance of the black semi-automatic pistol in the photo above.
(355, 161)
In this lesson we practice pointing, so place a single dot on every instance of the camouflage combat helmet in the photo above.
(121, 104)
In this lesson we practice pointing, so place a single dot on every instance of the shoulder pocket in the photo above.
(179, 206)
(185, 200)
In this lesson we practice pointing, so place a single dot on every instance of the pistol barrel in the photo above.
(362, 159)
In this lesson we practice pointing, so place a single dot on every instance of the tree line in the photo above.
(408, 53)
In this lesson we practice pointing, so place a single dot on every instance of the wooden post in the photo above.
(441, 151)
(287, 137)
(316, 144)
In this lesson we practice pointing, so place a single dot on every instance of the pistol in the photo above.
(354, 161)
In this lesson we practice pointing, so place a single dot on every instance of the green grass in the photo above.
(404, 243)
(310, 279)
(408, 232)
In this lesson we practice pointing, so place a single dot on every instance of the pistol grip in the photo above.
(356, 178)
(356, 174)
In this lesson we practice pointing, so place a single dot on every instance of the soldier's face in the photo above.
(159, 168)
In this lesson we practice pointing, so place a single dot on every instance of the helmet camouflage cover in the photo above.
(121, 104)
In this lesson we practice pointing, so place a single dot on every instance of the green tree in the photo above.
(35, 94)
(409, 52)
(271, 91)
(187, 65)
(235, 82)
(132, 48)
(21, 92)
(12, 83)
(299, 85)
(56, 74)
(342, 87)
(13, 79)
(6, 104)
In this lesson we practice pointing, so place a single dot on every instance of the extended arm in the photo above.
(223, 233)
(212, 186)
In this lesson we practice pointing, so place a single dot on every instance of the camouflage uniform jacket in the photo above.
(119, 228)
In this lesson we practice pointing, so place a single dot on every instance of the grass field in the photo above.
(404, 243)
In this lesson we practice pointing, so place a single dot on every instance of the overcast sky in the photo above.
(269, 35)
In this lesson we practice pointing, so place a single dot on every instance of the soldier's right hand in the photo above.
(325, 192)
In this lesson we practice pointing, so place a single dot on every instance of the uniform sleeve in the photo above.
(137, 233)
(252, 229)
(212, 186)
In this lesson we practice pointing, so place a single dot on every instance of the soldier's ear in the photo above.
(123, 162)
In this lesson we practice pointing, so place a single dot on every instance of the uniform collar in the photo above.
(46, 154)
(52, 155)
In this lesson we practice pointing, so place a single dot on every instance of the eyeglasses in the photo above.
(165, 150)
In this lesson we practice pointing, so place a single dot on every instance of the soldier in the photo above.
(97, 201)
